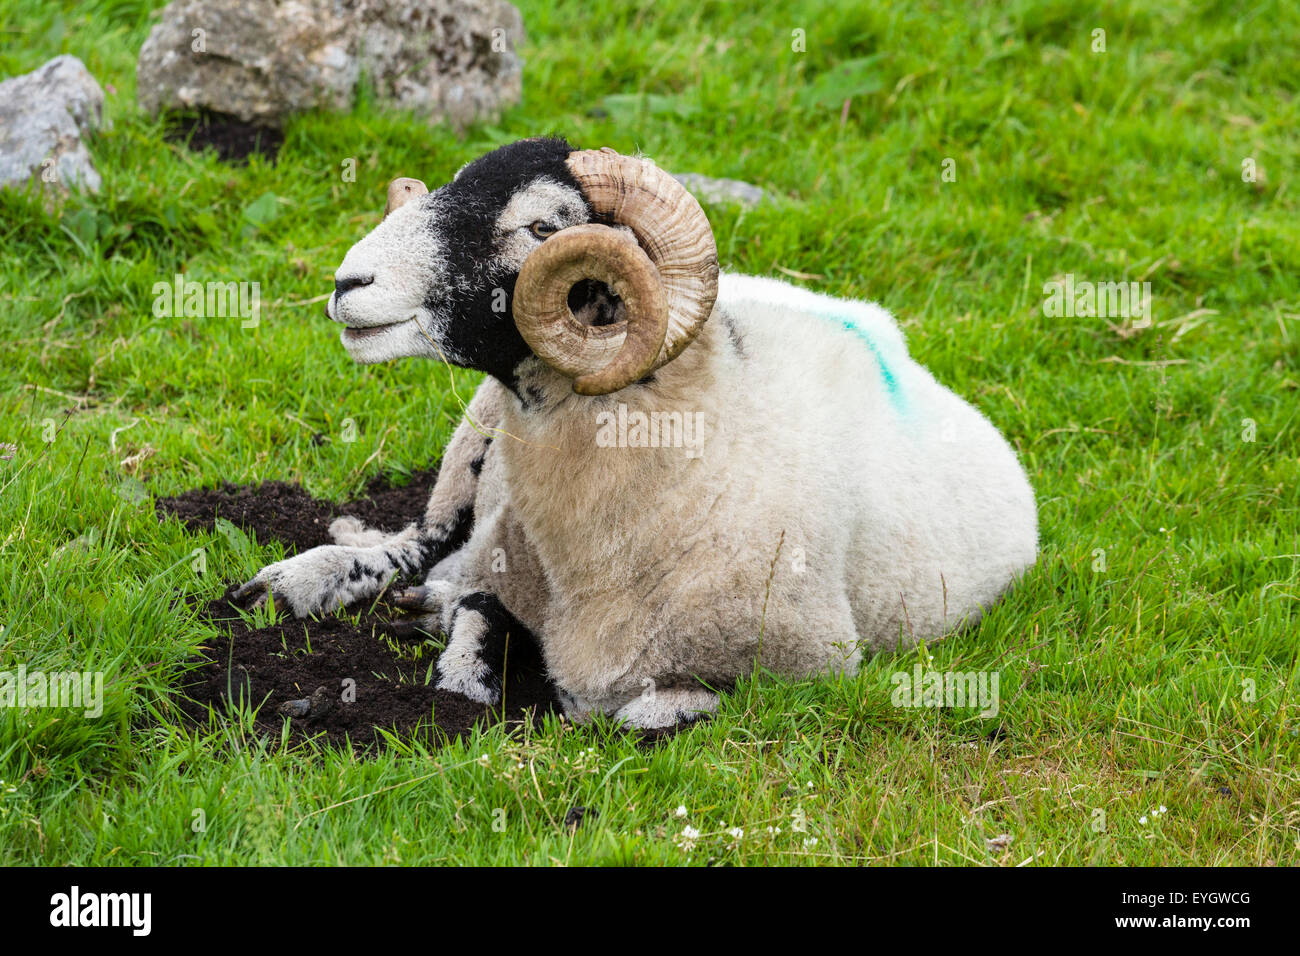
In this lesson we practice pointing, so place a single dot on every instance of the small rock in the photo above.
(44, 117)
(320, 703)
(295, 708)
(723, 192)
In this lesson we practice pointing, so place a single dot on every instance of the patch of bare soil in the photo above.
(332, 677)
(232, 139)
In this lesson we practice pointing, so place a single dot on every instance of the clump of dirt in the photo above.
(231, 138)
(368, 679)
(279, 511)
(345, 681)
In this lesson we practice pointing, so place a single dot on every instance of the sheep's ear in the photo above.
(401, 191)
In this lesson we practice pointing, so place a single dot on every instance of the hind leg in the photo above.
(668, 707)
(652, 709)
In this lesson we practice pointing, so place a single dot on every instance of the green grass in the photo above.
(1165, 677)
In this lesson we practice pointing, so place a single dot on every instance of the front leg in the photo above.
(480, 631)
(365, 560)
(333, 576)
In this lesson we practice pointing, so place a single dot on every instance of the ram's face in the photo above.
(436, 277)
(600, 265)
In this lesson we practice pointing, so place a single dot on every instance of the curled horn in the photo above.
(667, 276)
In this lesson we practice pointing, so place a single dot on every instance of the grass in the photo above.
(1149, 660)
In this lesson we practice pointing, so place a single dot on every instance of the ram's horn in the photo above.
(667, 278)
(403, 190)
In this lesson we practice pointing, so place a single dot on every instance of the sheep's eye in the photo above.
(541, 230)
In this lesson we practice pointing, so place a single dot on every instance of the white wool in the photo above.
(899, 510)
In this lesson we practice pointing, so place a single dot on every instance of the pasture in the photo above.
(948, 161)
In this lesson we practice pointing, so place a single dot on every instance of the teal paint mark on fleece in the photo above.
(892, 385)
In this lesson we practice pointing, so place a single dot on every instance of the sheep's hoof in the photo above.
(410, 599)
(419, 630)
(429, 598)
(250, 595)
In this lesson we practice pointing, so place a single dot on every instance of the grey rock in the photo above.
(44, 117)
(320, 703)
(296, 708)
(261, 60)
(723, 192)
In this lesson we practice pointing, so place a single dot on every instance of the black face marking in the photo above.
(478, 296)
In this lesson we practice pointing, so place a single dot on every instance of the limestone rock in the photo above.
(260, 60)
(44, 118)
(722, 191)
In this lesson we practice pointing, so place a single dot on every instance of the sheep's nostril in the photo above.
(344, 285)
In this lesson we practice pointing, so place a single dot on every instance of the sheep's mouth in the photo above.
(367, 331)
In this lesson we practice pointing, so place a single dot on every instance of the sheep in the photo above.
(834, 499)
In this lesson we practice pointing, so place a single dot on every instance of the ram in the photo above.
(830, 500)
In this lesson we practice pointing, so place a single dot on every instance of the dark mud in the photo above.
(232, 139)
(371, 680)
(364, 678)
(279, 511)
